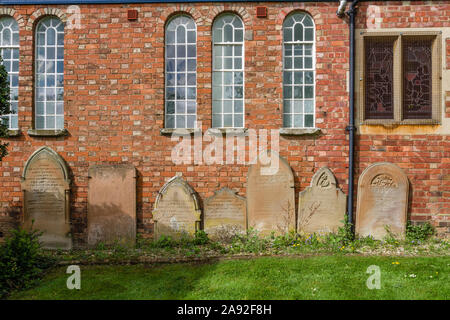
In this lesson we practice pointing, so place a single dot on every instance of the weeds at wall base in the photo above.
(251, 243)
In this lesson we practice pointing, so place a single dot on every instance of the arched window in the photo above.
(298, 71)
(228, 72)
(9, 50)
(181, 73)
(49, 74)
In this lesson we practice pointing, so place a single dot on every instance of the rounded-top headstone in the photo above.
(176, 210)
(45, 184)
(270, 195)
(382, 201)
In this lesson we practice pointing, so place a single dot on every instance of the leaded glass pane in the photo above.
(9, 50)
(49, 85)
(417, 72)
(379, 57)
(299, 71)
(228, 72)
(181, 73)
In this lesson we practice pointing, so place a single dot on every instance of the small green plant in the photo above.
(283, 241)
(368, 241)
(249, 242)
(120, 248)
(163, 242)
(141, 242)
(390, 237)
(21, 261)
(345, 233)
(418, 233)
(186, 240)
(200, 237)
(101, 246)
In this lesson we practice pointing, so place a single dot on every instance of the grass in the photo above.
(317, 277)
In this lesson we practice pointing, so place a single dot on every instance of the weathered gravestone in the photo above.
(270, 195)
(7, 224)
(382, 201)
(321, 206)
(224, 214)
(176, 211)
(112, 204)
(45, 186)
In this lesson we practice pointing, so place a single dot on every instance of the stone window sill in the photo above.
(179, 131)
(299, 131)
(13, 133)
(390, 124)
(228, 131)
(47, 133)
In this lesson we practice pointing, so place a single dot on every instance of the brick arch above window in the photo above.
(42, 12)
(287, 11)
(181, 9)
(229, 8)
(13, 13)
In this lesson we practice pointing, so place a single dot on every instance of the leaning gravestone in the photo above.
(45, 186)
(176, 211)
(270, 195)
(112, 204)
(321, 206)
(225, 214)
(382, 201)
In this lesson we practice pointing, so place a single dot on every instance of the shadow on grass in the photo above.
(324, 277)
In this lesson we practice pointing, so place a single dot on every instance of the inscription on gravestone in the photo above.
(270, 195)
(321, 206)
(45, 185)
(176, 210)
(225, 214)
(112, 204)
(382, 201)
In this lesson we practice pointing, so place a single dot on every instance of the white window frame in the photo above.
(14, 47)
(175, 74)
(37, 110)
(303, 69)
(222, 71)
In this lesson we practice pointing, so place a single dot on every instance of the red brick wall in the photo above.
(114, 104)
(424, 156)
(447, 104)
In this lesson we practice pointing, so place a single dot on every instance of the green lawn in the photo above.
(319, 277)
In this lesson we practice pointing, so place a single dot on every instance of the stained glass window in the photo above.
(379, 97)
(49, 77)
(228, 72)
(298, 71)
(417, 69)
(9, 50)
(181, 73)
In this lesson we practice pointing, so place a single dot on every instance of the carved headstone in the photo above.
(321, 206)
(270, 195)
(382, 201)
(45, 185)
(112, 204)
(176, 211)
(225, 214)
